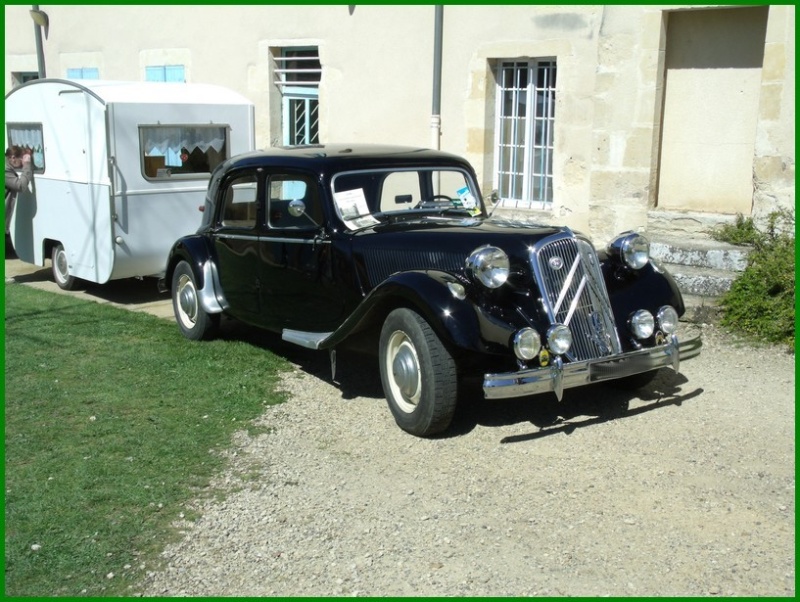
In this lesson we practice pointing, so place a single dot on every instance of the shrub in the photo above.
(761, 301)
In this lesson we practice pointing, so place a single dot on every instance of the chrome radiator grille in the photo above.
(574, 293)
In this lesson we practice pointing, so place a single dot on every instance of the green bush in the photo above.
(761, 301)
(742, 232)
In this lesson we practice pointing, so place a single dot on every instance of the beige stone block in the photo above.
(773, 169)
(639, 148)
(653, 30)
(610, 216)
(769, 107)
(620, 184)
(600, 148)
(774, 68)
(476, 140)
(605, 82)
(649, 68)
(780, 25)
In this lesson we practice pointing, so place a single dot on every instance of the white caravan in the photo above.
(120, 170)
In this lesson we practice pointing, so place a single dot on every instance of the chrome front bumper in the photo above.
(559, 375)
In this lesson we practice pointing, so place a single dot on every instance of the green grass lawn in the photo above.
(112, 423)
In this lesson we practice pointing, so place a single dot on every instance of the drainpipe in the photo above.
(39, 20)
(436, 117)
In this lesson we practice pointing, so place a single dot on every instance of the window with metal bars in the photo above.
(298, 72)
(526, 94)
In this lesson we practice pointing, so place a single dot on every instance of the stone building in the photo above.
(668, 118)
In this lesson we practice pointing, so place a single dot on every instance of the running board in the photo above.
(310, 340)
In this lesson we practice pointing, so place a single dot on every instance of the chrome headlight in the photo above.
(667, 319)
(633, 249)
(559, 339)
(489, 266)
(527, 343)
(642, 324)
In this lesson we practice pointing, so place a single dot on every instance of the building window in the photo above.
(29, 137)
(83, 73)
(526, 94)
(165, 73)
(298, 73)
(23, 77)
(182, 150)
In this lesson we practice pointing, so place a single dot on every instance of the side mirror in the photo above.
(297, 208)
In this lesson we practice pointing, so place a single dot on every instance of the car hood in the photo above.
(440, 244)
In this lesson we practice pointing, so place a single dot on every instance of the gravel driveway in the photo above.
(684, 490)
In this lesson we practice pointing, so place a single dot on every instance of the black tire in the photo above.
(60, 266)
(633, 382)
(419, 375)
(194, 322)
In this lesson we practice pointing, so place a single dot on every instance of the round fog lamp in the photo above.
(527, 343)
(667, 319)
(559, 339)
(642, 324)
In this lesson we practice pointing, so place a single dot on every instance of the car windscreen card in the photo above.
(468, 201)
(352, 205)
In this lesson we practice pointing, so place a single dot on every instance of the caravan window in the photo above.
(182, 150)
(29, 137)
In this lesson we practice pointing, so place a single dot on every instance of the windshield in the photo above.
(368, 197)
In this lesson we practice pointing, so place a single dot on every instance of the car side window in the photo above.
(283, 189)
(240, 209)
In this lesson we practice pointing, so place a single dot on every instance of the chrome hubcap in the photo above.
(187, 299)
(61, 264)
(406, 371)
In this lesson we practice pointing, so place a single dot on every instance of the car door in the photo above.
(236, 242)
(299, 285)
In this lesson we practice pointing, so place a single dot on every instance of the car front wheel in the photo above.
(195, 323)
(418, 374)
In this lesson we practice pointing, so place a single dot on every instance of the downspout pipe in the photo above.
(436, 110)
(37, 30)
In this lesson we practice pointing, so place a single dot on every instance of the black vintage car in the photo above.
(391, 249)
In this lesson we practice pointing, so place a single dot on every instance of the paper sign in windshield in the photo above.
(353, 207)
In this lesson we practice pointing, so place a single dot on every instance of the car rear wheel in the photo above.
(61, 269)
(195, 323)
(418, 374)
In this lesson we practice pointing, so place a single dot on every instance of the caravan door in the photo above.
(69, 201)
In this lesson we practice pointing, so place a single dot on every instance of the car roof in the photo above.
(339, 157)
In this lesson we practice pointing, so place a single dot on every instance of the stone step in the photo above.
(701, 281)
(700, 252)
(701, 310)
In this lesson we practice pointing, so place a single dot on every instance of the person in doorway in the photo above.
(17, 158)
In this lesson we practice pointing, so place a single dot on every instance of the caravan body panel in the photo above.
(112, 184)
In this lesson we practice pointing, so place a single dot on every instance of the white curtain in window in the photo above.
(28, 137)
(169, 142)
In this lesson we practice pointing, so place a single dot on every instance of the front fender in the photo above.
(460, 323)
(195, 251)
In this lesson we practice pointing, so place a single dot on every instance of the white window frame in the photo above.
(523, 148)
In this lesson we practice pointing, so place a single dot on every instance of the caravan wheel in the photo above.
(61, 269)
